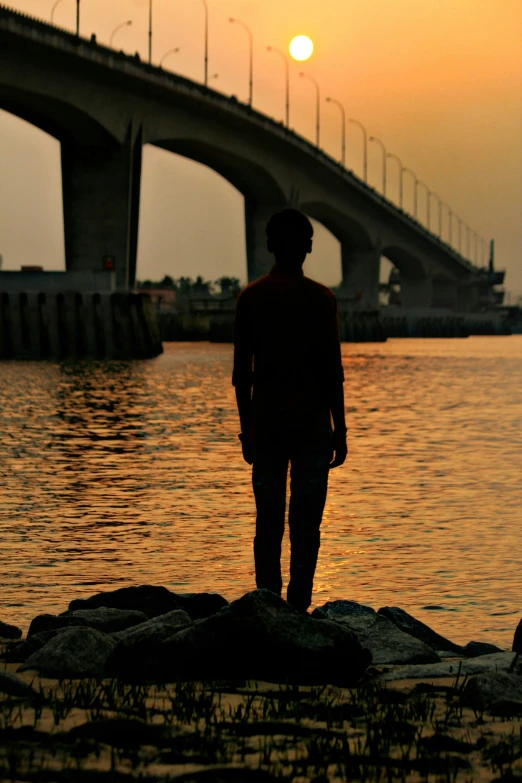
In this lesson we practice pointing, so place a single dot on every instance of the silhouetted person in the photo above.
(289, 378)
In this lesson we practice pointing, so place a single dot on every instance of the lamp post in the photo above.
(119, 27)
(53, 8)
(365, 146)
(150, 32)
(318, 106)
(251, 57)
(287, 81)
(459, 230)
(475, 237)
(401, 167)
(170, 51)
(450, 221)
(431, 193)
(417, 183)
(206, 41)
(384, 153)
(467, 237)
(343, 127)
(415, 180)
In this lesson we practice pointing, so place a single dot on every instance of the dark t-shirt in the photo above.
(286, 345)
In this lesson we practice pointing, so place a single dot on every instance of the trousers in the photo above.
(309, 468)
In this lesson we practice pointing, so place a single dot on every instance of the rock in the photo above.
(9, 631)
(260, 637)
(20, 651)
(102, 619)
(495, 692)
(154, 601)
(449, 669)
(387, 644)
(474, 649)
(78, 652)
(135, 644)
(14, 686)
(333, 610)
(149, 599)
(416, 628)
(199, 605)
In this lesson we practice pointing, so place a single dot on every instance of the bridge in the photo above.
(103, 106)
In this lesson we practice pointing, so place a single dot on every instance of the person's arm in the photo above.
(242, 375)
(335, 374)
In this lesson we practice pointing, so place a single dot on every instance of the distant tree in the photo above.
(228, 284)
(202, 286)
(168, 282)
(184, 284)
(146, 284)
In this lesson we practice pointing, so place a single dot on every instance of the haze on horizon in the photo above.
(439, 82)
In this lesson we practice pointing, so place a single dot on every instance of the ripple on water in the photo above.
(125, 473)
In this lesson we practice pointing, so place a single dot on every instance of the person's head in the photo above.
(289, 237)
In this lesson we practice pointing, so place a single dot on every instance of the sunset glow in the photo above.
(301, 47)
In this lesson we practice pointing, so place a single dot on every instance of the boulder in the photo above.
(260, 637)
(102, 619)
(9, 631)
(387, 643)
(495, 692)
(150, 599)
(405, 622)
(154, 601)
(474, 649)
(199, 605)
(20, 651)
(14, 686)
(78, 652)
(449, 669)
(135, 644)
(333, 610)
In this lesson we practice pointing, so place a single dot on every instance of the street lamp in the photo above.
(343, 127)
(417, 183)
(431, 193)
(365, 146)
(206, 41)
(399, 161)
(450, 220)
(119, 27)
(251, 59)
(53, 8)
(287, 80)
(409, 171)
(384, 153)
(170, 51)
(318, 106)
(150, 32)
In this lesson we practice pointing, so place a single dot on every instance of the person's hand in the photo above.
(340, 448)
(248, 451)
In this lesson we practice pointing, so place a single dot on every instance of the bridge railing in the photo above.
(170, 79)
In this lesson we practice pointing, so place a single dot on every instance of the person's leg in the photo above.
(269, 471)
(308, 488)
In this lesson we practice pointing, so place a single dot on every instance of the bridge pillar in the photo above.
(101, 192)
(360, 276)
(444, 294)
(416, 292)
(259, 260)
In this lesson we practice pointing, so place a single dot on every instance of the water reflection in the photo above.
(126, 473)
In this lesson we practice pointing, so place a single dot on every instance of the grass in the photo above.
(94, 730)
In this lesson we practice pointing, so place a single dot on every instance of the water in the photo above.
(131, 473)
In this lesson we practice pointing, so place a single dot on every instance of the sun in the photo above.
(301, 47)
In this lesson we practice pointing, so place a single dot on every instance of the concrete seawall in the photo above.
(74, 325)
(355, 326)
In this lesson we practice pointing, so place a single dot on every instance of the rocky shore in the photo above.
(147, 639)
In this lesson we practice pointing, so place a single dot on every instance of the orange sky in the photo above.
(439, 81)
